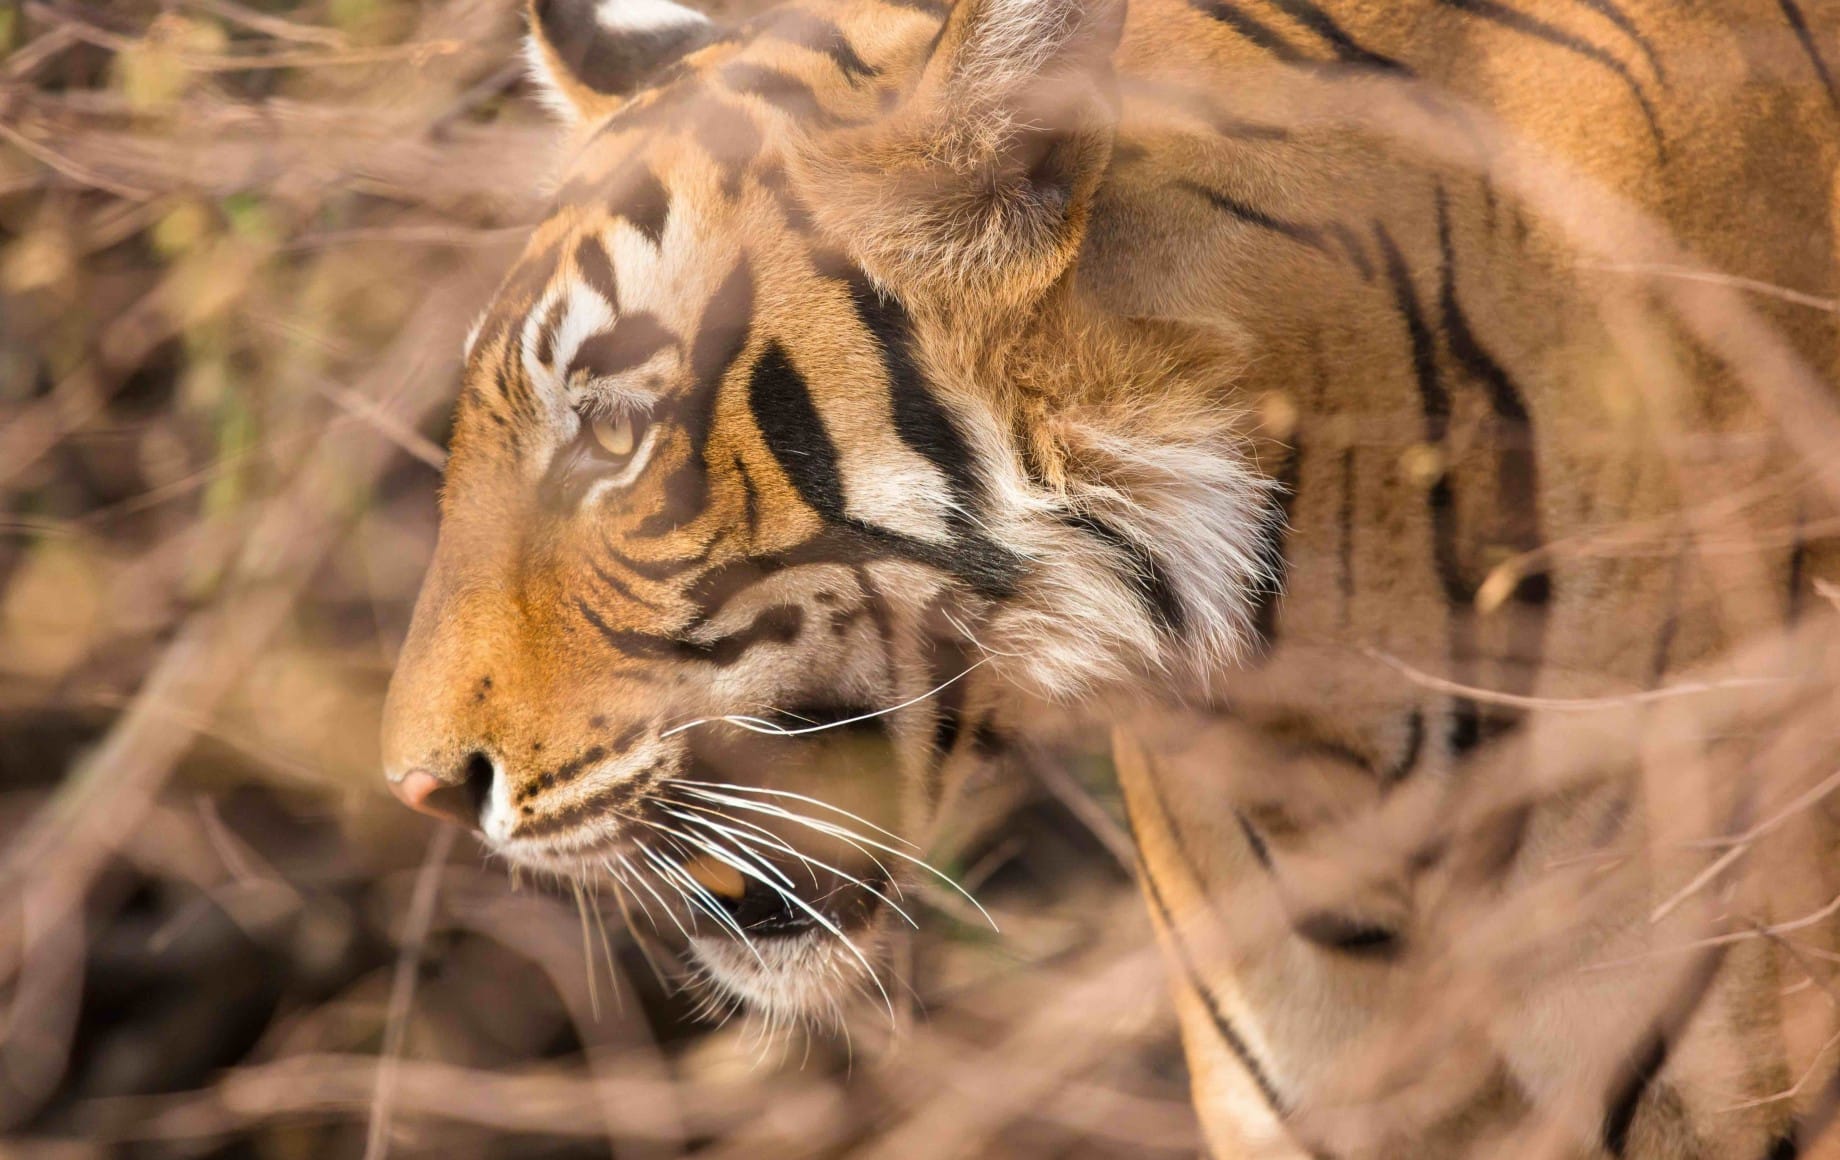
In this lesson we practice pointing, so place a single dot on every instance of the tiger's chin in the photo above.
(804, 980)
(792, 964)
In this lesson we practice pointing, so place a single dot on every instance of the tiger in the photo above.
(1406, 426)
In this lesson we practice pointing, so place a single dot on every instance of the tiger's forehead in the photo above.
(687, 182)
(788, 72)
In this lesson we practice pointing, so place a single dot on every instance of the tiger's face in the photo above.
(779, 459)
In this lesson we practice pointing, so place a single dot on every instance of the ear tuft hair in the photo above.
(980, 183)
(586, 56)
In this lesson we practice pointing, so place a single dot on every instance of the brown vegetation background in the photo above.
(240, 243)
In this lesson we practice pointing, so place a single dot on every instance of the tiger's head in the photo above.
(796, 443)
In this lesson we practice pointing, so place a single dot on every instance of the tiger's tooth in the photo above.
(717, 877)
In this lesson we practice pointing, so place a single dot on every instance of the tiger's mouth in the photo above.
(761, 909)
(766, 861)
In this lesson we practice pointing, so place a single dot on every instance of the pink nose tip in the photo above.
(425, 793)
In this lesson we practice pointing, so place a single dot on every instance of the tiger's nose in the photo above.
(461, 799)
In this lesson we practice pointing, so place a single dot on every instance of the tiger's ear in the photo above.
(587, 56)
(980, 182)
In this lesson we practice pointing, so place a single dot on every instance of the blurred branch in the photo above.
(270, 25)
(55, 856)
(76, 171)
(1711, 277)
(1079, 802)
(1568, 704)
(402, 989)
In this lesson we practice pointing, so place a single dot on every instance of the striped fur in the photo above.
(1204, 366)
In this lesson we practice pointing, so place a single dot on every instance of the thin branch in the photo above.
(1567, 704)
(77, 172)
(1742, 843)
(402, 989)
(1711, 277)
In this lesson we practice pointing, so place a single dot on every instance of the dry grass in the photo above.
(239, 246)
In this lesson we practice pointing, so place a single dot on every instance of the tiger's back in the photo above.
(1352, 400)
(1513, 464)
(1519, 463)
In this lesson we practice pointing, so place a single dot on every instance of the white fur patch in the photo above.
(618, 16)
(1079, 623)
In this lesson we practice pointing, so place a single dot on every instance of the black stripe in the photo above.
(1254, 840)
(947, 658)
(1223, 1026)
(1344, 542)
(1348, 936)
(819, 35)
(1347, 50)
(1622, 1113)
(1518, 21)
(750, 500)
(780, 624)
(794, 432)
(1408, 759)
(854, 545)
(721, 333)
(1302, 234)
(552, 323)
(630, 343)
(661, 107)
(1434, 399)
(1145, 574)
(923, 424)
(1798, 564)
(1250, 28)
(1792, 12)
(645, 202)
(685, 491)
(1646, 1059)
(1465, 730)
(619, 587)
(798, 217)
(1662, 656)
(1609, 11)
(1517, 503)
(596, 269)
(1350, 242)
(1517, 468)
(639, 646)
(780, 89)
(1272, 550)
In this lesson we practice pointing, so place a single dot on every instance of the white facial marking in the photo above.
(584, 314)
(645, 15)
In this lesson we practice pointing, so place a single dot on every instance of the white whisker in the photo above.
(730, 787)
(760, 725)
(836, 831)
(848, 879)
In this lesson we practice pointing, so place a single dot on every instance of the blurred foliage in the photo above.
(240, 241)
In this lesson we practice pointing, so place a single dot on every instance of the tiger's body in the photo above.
(1268, 376)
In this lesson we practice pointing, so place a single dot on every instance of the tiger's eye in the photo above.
(617, 437)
